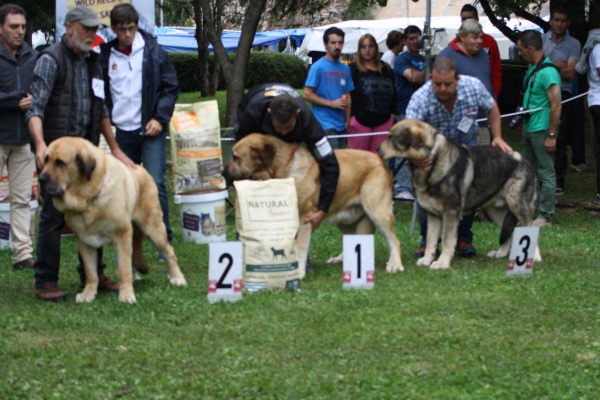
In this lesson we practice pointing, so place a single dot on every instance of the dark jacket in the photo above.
(16, 75)
(159, 81)
(58, 119)
(252, 117)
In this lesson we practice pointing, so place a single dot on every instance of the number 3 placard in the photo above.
(225, 272)
(522, 252)
(359, 262)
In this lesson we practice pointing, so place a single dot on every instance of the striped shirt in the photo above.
(471, 97)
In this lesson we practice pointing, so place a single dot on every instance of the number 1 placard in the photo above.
(359, 262)
(225, 272)
(522, 251)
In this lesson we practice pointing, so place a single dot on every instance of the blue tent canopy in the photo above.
(174, 42)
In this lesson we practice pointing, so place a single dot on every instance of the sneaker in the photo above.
(560, 191)
(50, 292)
(420, 253)
(27, 263)
(161, 258)
(579, 167)
(597, 198)
(104, 284)
(541, 222)
(466, 249)
(404, 196)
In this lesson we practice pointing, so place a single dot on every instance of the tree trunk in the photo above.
(234, 74)
(203, 54)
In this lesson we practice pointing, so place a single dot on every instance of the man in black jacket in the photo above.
(67, 100)
(279, 110)
(16, 71)
(141, 90)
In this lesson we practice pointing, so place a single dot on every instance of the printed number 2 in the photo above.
(357, 250)
(220, 284)
(525, 250)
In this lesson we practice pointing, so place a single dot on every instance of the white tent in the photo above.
(445, 30)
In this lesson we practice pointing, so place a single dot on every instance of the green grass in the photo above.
(466, 333)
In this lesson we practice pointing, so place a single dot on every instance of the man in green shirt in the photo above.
(542, 89)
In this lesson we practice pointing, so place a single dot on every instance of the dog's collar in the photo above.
(293, 167)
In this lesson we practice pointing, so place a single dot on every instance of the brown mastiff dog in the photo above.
(105, 202)
(363, 198)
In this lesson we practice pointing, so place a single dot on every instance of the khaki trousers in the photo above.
(20, 163)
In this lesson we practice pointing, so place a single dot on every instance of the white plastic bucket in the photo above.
(203, 216)
(5, 235)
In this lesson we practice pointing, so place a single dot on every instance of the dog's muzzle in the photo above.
(49, 187)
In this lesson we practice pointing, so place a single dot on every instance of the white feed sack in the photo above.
(196, 147)
(266, 218)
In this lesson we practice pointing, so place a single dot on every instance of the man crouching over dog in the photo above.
(279, 110)
(450, 103)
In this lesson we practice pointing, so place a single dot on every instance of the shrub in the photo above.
(262, 67)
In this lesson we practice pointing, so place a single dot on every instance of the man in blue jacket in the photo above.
(141, 90)
(17, 60)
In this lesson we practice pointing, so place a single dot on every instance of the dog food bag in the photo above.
(196, 147)
(266, 218)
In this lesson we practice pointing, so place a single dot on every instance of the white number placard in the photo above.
(359, 262)
(522, 252)
(225, 271)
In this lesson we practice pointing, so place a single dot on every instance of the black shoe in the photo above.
(24, 264)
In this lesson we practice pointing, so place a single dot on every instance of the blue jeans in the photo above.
(464, 227)
(403, 183)
(151, 151)
(337, 143)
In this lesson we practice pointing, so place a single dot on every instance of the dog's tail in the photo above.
(508, 226)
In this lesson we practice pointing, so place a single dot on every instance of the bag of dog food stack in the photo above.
(266, 218)
(196, 147)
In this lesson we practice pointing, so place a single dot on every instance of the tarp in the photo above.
(173, 42)
(445, 30)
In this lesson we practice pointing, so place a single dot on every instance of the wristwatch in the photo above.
(552, 135)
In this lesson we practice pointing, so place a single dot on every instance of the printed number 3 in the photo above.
(525, 250)
(220, 284)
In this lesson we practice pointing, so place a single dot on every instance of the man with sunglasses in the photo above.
(141, 90)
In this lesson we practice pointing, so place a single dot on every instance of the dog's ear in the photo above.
(265, 154)
(401, 139)
(86, 165)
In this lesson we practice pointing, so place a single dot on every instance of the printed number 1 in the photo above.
(220, 284)
(525, 250)
(357, 250)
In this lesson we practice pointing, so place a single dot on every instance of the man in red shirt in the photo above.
(490, 46)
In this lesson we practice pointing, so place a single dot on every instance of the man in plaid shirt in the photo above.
(450, 103)
(67, 100)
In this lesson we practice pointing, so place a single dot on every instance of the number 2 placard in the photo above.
(225, 272)
(522, 251)
(359, 262)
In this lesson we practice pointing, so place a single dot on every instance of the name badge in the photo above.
(98, 88)
(465, 124)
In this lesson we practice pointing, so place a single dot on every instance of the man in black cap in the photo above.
(67, 100)
(279, 110)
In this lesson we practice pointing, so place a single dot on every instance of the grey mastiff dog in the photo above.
(460, 179)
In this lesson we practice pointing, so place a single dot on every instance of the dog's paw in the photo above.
(424, 261)
(127, 297)
(336, 260)
(392, 268)
(440, 264)
(496, 254)
(178, 281)
(84, 297)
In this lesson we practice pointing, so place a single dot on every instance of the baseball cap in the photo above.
(85, 16)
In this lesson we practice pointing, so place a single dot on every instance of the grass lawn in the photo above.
(466, 333)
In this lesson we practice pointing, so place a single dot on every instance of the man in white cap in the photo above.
(67, 100)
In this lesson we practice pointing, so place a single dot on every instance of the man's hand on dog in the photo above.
(119, 155)
(40, 154)
(502, 145)
(153, 127)
(315, 219)
(421, 162)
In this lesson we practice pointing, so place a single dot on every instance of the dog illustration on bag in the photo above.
(277, 252)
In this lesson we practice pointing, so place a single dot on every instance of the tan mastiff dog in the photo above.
(105, 202)
(363, 198)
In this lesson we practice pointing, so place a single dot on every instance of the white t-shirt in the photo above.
(389, 57)
(593, 78)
